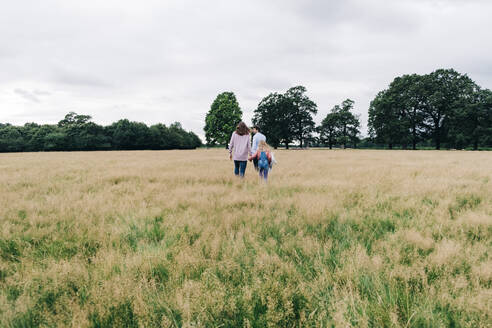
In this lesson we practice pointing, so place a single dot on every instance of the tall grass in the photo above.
(172, 239)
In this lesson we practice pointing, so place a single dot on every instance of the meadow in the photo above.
(342, 238)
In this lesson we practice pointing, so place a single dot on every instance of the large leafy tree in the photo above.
(129, 135)
(386, 122)
(172, 137)
(222, 119)
(445, 89)
(28, 131)
(301, 113)
(396, 114)
(340, 126)
(177, 137)
(328, 130)
(194, 140)
(73, 118)
(49, 137)
(273, 116)
(471, 122)
(407, 95)
(444, 106)
(82, 134)
(287, 117)
(348, 123)
(482, 129)
(160, 137)
(384, 125)
(11, 139)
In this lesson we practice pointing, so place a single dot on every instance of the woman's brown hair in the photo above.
(242, 129)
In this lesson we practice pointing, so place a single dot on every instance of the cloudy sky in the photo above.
(166, 60)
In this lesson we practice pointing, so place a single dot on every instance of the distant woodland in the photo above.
(77, 132)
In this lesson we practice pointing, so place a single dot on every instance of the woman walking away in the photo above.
(240, 149)
(264, 158)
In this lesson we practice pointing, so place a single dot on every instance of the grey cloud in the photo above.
(74, 78)
(27, 95)
(390, 17)
(41, 93)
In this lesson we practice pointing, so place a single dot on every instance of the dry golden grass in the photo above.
(172, 238)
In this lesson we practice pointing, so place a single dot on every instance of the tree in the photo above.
(407, 94)
(174, 137)
(443, 105)
(73, 118)
(482, 131)
(301, 113)
(471, 121)
(328, 130)
(55, 140)
(160, 137)
(91, 136)
(11, 139)
(286, 117)
(195, 140)
(273, 117)
(222, 119)
(28, 131)
(340, 125)
(48, 138)
(444, 90)
(385, 124)
(82, 134)
(348, 123)
(129, 135)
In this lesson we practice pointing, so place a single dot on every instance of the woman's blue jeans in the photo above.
(240, 168)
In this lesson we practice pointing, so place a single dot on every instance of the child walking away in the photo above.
(264, 158)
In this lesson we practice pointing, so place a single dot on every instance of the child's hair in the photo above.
(263, 146)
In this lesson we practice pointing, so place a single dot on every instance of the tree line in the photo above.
(285, 118)
(443, 108)
(77, 132)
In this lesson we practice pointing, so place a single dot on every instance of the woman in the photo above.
(240, 149)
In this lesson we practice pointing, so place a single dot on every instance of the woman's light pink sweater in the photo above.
(240, 147)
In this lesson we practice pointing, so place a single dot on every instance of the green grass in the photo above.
(171, 239)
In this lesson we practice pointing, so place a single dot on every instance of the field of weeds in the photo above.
(173, 239)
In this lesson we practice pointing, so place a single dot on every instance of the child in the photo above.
(264, 158)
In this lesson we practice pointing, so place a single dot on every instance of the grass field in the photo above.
(171, 238)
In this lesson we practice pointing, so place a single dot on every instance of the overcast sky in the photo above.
(166, 60)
